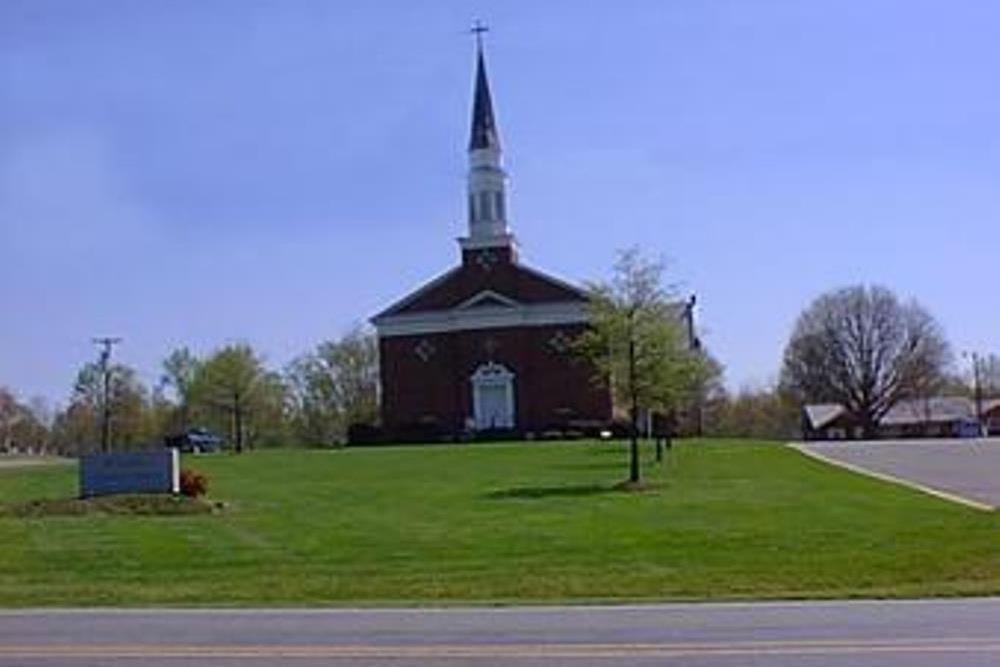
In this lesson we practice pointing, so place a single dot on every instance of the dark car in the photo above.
(195, 441)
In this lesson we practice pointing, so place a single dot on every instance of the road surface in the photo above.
(958, 469)
(957, 633)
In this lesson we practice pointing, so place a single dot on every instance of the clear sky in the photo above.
(204, 171)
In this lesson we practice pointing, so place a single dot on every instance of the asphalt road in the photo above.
(957, 633)
(968, 468)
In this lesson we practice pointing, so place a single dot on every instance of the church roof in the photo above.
(484, 128)
(512, 281)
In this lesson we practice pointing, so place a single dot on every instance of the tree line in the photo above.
(231, 391)
(860, 346)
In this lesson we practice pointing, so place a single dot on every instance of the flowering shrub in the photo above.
(193, 483)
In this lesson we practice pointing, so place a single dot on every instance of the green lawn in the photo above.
(499, 523)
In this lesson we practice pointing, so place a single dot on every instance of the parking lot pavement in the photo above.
(968, 469)
(29, 461)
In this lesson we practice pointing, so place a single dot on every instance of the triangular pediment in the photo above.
(471, 286)
(487, 299)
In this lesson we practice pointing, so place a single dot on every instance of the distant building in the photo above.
(937, 417)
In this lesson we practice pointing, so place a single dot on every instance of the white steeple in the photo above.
(487, 197)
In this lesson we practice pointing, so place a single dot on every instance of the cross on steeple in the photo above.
(478, 28)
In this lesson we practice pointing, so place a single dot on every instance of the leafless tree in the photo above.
(864, 349)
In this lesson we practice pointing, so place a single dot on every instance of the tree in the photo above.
(10, 415)
(860, 347)
(179, 371)
(767, 413)
(234, 380)
(637, 342)
(335, 385)
(129, 404)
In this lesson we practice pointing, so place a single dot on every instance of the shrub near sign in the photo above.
(132, 472)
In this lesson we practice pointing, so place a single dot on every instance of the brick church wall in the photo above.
(427, 387)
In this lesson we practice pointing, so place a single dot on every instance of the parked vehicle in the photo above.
(196, 441)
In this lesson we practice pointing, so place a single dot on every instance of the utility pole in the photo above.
(977, 387)
(694, 345)
(107, 344)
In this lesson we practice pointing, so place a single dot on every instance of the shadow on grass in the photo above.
(538, 492)
(608, 466)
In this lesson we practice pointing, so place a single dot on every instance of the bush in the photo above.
(193, 483)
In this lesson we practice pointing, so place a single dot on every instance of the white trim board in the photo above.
(487, 317)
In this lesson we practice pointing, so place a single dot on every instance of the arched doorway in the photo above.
(493, 397)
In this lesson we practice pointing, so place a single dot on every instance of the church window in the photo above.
(472, 208)
(486, 259)
(485, 206)
(559, 343)
(424, 350)
(501, 214)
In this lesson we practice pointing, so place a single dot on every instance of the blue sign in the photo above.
(132, 472)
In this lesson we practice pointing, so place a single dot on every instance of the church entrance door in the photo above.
(493, 397)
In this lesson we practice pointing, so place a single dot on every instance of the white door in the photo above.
(493, 397)
(493, 403)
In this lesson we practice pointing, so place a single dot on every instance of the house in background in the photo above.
(828, 421)
(991, 416)
(937, 417)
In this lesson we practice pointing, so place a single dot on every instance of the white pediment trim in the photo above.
(484, 317)
(487, 295)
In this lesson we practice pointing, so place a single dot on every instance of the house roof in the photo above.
(821, 415)
(938, 409)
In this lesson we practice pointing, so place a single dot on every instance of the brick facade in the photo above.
(427, 387)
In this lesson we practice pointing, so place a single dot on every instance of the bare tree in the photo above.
(860, 347)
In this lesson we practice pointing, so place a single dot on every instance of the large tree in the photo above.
(864, 349)
(234, 380)
(336, 385)
(637, 342)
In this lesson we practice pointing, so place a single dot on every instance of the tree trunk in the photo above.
(238, 416)
(634, 410)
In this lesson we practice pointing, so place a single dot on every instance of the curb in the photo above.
(885, 477)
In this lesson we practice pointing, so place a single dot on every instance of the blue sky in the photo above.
(205, 171)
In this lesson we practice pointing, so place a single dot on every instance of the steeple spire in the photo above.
(487, 179)
(484, 128)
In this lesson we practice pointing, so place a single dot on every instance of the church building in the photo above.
(486, 345)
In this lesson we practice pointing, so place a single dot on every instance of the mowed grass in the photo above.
(502, 523)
